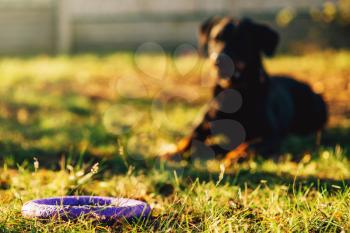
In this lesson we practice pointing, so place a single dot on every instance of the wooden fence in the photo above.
(50, 26)
(27, 27)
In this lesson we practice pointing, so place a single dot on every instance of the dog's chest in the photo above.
(245, 106)
(240, 105)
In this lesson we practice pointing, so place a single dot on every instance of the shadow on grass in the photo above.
(243, 178)
(246, 178)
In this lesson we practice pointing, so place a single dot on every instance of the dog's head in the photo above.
(235, 46)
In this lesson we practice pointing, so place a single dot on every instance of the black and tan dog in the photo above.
(268, 108)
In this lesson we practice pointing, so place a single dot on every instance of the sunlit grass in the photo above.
(73, 111)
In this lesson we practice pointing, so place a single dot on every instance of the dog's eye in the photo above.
(218, 37)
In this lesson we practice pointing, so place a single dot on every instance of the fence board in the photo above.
(26, 29)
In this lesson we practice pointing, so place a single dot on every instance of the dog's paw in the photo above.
(169, 152)
(233, 156)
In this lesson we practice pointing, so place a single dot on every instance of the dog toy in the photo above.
(103, 209)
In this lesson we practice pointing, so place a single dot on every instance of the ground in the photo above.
(61, 115)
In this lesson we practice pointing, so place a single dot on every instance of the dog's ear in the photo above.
(204, 32)
(265, 37)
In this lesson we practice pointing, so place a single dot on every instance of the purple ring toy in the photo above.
(104, 209)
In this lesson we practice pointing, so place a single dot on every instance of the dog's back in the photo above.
(310, 110)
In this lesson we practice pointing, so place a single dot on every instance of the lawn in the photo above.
(122, 110)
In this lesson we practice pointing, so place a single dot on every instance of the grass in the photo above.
(122, 110)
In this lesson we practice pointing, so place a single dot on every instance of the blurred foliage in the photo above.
(331, 11)
(285, 16)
